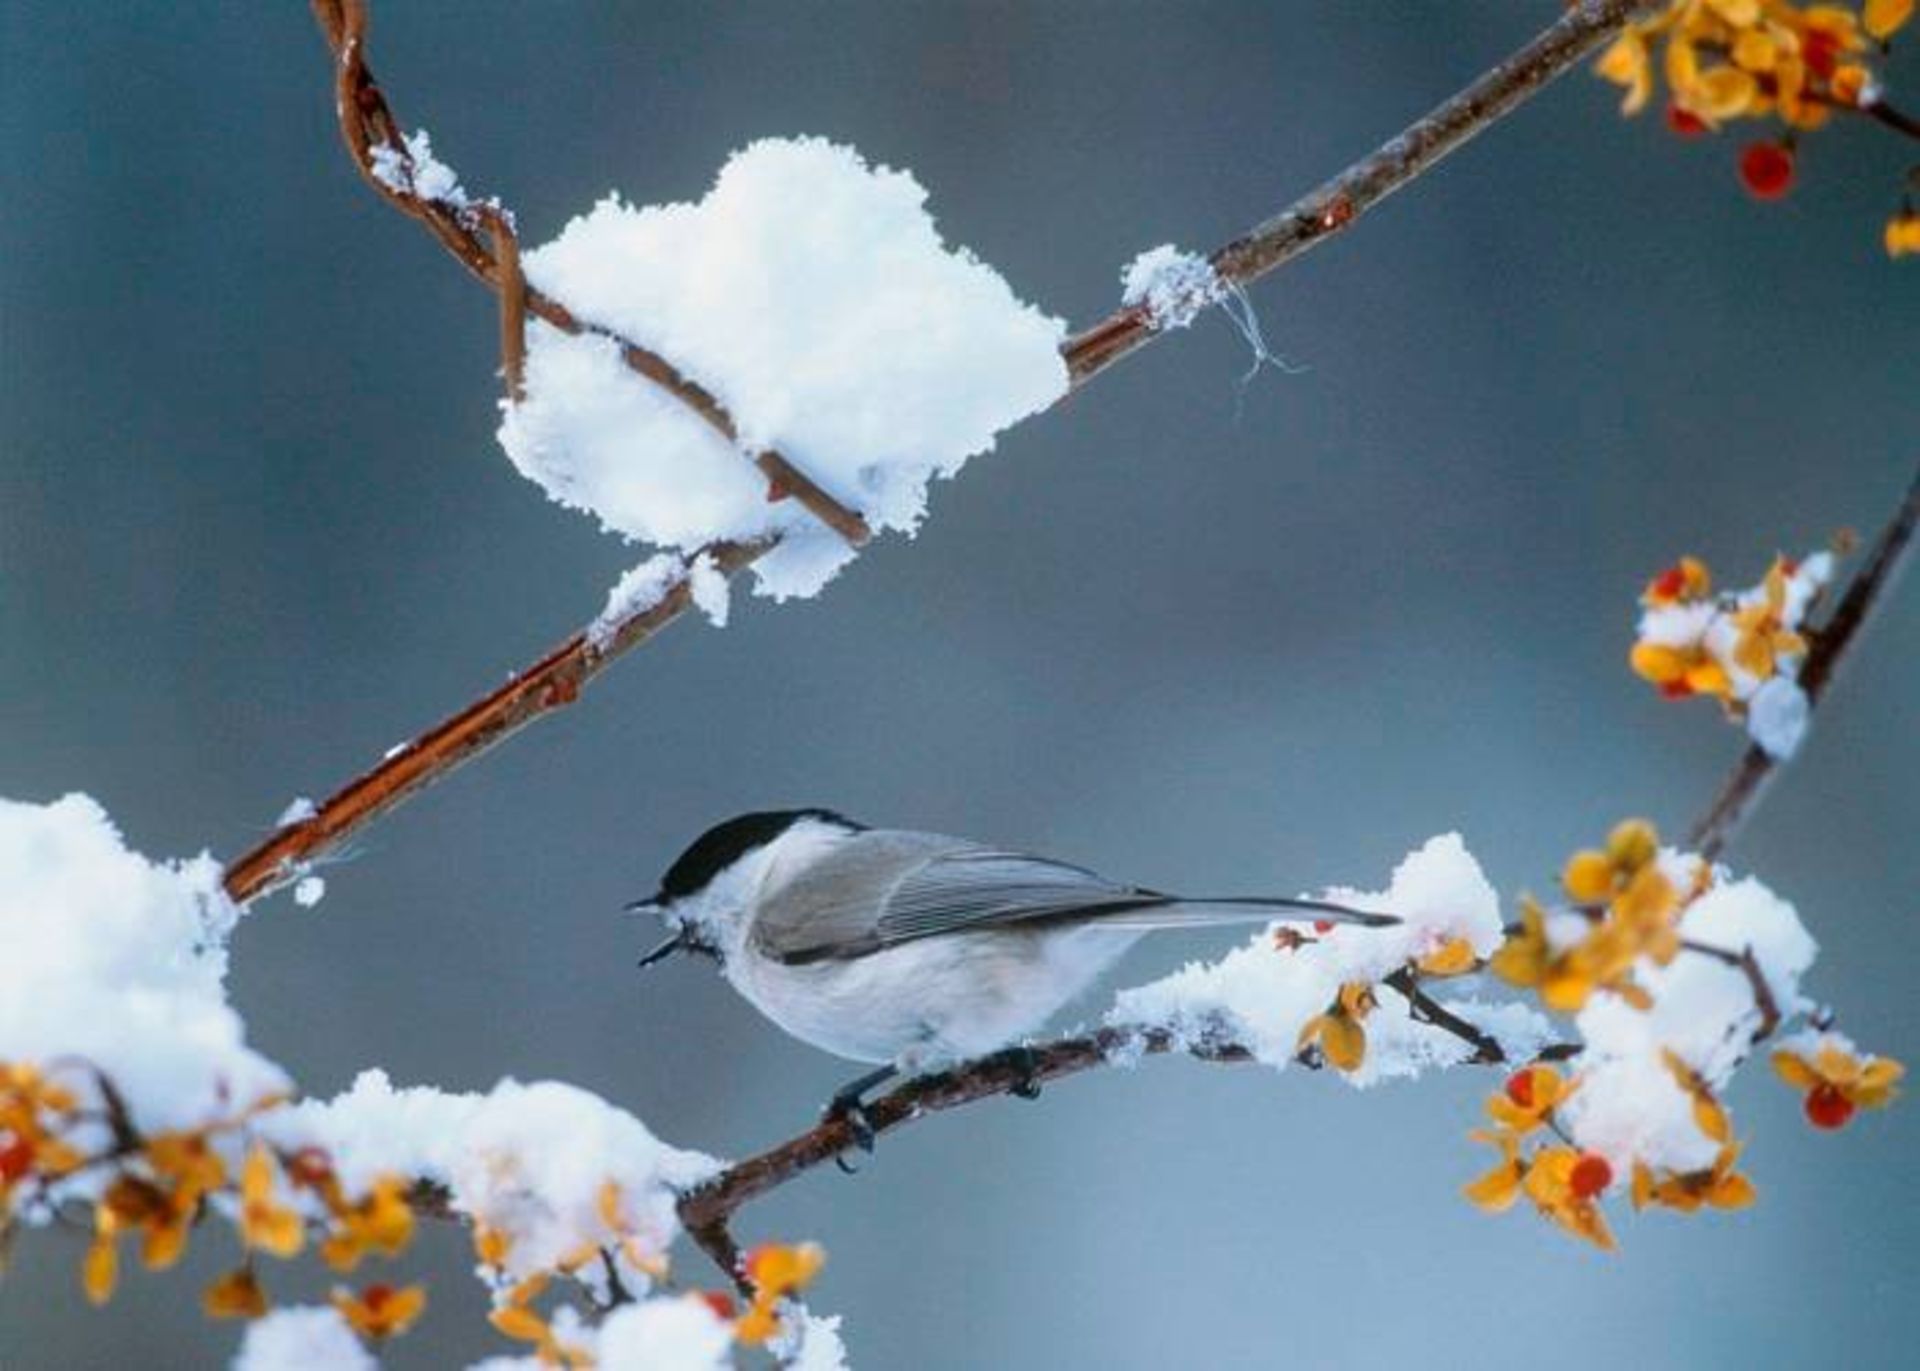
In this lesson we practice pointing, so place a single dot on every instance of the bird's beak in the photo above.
(665, 950)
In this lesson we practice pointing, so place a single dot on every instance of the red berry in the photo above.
(719, 1301)
(1827, 1107)
(1323, 926)
(16, 1159)
(1821, 52)
(309, 1166)
(1591, 1175)
(1520, 1088)
(1685, 122)
(1669, 583)
(1676, 690)
(1766, 170)
(375, 1297)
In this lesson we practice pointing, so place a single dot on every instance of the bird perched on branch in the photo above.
(913, 950)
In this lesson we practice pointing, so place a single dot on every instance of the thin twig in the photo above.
(1425, 1009)
(513, 303)
(366, 121)
(1756, 767)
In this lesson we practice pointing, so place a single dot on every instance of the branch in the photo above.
(1755, 769)
(556, 679)
(706, 1210)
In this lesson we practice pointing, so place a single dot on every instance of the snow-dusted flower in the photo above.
(1339, 1032)
(776, 1271)
(1744, 648)
(1837, 1079)
(235, 1294)
(380, 1311)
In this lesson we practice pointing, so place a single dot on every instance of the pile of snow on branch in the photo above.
(112, 960)
(1264, 994)
(813, 297)
(531, 1161)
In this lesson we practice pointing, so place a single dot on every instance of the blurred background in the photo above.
(1192, 631)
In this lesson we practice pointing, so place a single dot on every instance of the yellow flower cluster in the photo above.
(1718, 1186)
(1726, 647)
(1724, 60)
(159, 1185)
(514, 1314)
(1626, 906)
(34, 1112)
(1735, 59)
(1564, 1183)
(1567, 1183)
(774, 1272)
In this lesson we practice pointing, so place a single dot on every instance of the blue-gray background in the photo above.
(254, 530)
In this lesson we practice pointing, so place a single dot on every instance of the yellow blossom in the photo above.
(380, 1311)
(1454, 957)
(236, 1295)
(1837, 1083)
(1499, 1188)
(100, 1269)
(1903, 234)
(1341, 1037)
(32, 1110)
(775, 1271)
(1529, 960)
(265, 1222)
(1764, 641)
(1719, 1186)
(381, 1221)
(1528, 1097)
(1883, 18)
(1565, 1184)
(1626, 64)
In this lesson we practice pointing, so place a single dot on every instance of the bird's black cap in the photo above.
(723, 844)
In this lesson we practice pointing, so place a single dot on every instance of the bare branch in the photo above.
(367, 122)
(1756, 768)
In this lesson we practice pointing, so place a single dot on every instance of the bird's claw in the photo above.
(1026, 1063)
(849, 1108)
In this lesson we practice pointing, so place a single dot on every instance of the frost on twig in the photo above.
(413, 170)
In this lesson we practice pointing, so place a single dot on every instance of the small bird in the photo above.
(913, 950)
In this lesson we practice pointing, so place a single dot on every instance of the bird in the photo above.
(913, 950)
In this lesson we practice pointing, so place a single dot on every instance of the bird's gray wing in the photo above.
(880, 889)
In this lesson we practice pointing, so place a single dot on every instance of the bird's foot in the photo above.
(1026, 1064)
(848, 1107)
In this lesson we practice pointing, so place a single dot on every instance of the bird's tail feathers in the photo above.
(1179, 912)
